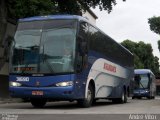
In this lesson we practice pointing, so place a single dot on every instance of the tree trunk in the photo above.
(3, 21)
(3, 25)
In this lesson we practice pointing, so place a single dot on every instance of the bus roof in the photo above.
(142, 71)
(39, 18)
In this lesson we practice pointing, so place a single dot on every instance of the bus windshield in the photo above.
(44, 47)
(141, 81)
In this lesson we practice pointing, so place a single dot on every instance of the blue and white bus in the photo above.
(144, 84)
(66, 58)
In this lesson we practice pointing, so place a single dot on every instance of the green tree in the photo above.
(26, 8)
(78, 5)
(143, 55)
(156, 64)
(68, 7)
(132, 46)
(158, 44)
(154, 24)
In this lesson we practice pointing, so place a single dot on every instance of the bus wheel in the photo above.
(149, 97)
(38, 103)
(123, 98)
(87, 102)
(139, 97)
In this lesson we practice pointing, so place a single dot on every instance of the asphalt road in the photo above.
(102, 110)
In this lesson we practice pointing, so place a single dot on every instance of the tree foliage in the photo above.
(158, 44)
(154, 23)
(102, 4)
(143, 56)
(27, 8)
(68, 7)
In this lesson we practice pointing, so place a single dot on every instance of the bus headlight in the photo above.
(64, 84)
(147, 91)
(14, 84)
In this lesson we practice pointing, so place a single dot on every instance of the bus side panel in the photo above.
(153, 86)
(109, 78)
(81, 79)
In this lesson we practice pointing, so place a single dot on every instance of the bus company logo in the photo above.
(109, 67)
(22, 79)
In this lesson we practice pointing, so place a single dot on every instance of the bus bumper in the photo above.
(56, 93)
(141, 95)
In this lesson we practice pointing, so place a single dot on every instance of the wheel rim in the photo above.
(123, 97)
(89, 95)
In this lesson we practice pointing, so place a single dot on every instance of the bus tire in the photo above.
(87, 102)
(38, 103)
(149, 97)
(123, 98)
(94, 101)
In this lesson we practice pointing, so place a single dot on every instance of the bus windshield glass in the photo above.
(141, 81)
(44, 47)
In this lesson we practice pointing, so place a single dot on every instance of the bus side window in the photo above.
(79, 63)
(150, 80)
(83, 37)
(83, 46)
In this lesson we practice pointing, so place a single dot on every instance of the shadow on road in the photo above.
(73, 105)
(60, 105)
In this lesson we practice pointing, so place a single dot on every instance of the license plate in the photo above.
(37, 92)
